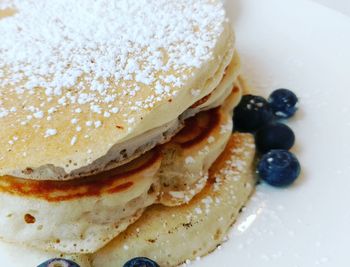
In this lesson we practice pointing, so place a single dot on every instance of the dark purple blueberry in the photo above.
(283, 103)
(279, 167)
(274, 136)
(58, 263)
(141, 262)
(252, 113)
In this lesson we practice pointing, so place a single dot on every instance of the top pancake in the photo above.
(79, 77)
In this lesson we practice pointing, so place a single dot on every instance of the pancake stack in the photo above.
(116, 135)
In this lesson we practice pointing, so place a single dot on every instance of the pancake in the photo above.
(80, 78)
(161, 232)
(187, 159)
(83, 215)
(117, 114)
(129, 150)
(78, 215)
(173, 235)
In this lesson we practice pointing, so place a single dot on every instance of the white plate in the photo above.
(305, 47)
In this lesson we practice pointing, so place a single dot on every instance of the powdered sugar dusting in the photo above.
(59, 42)
(88, 55)
(50, 132)
(231, 183)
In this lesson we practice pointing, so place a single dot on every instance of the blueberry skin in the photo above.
(279, 168)
(58, 262)
(141, 262)
(252, 113)
(283, 103)
(274, 136)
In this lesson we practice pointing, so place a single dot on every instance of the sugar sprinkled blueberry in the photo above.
(141, 262)
(274, 136)
(58, 263)
(252, 113)
(283, 103)
(279, 167)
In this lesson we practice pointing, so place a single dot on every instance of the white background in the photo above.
(339, 5)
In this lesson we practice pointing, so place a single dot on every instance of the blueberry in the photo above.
(58, 263)
(140, 262)
(283, 103)
(279, 167)
(274, 136)
(252, 113)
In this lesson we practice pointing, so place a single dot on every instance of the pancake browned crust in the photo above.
(83, 215)
(172, 235)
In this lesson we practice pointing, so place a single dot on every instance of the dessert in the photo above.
(117, 130)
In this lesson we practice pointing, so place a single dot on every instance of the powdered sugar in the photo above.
(50, 132)
(189, 160)
(73, 141)
(75, 68)
(54, 46)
